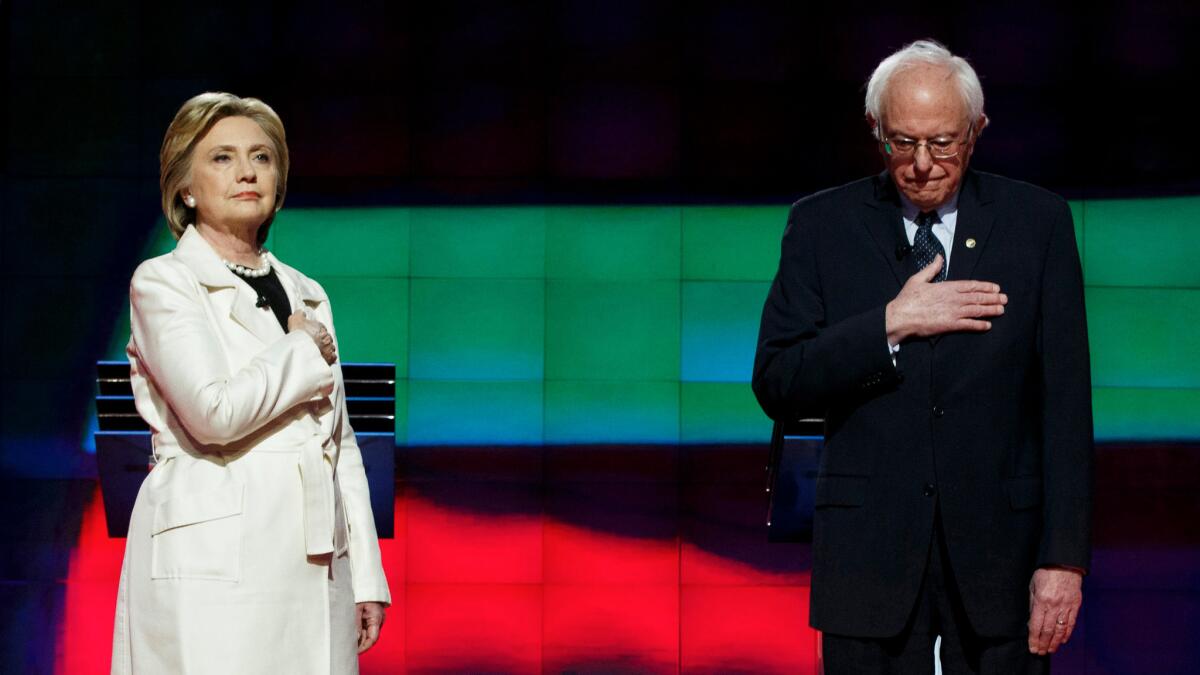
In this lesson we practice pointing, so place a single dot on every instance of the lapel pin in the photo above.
(970, 243)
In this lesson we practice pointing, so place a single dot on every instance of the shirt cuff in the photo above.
(1070, 568)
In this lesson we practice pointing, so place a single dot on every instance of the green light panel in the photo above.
(324, 243)
(1146, 414)
(612, 330)
(457, 243)
(402, 387)
(471, 329)
(720, 327)
(1143, 243)
(636, 324)
(612, 412)
(1144, 337)
(474, 413)
(612, 243)
(732, 243)
(721, 412)
(370, 316)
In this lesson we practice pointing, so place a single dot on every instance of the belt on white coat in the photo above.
(317, 487)
(318, 499)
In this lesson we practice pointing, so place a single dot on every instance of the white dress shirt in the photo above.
(944, 231)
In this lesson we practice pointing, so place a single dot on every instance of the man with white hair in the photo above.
(934, 317)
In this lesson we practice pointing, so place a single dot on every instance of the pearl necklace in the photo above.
(249, 272)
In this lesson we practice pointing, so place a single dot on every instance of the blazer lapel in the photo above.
(299, 288)
(305, 293)
(975, 218)
(227, 292)
(886, 226)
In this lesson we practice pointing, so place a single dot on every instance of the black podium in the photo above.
(124, 455)
(792, 467)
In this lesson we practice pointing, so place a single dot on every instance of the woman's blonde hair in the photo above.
(191, 124)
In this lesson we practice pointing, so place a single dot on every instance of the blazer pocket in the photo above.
(198, 536)
(840, 491)
(1024, 492)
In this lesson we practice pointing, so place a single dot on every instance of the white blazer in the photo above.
(252, 537)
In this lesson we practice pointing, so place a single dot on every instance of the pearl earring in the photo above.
(190, 201)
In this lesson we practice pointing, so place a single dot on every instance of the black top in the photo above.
(270, 293)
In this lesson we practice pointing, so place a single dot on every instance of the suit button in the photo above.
(930, 490)
(937, 411)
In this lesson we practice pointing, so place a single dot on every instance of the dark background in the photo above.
(609, 102)
(475, 102)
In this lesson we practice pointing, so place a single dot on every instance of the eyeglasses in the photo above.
(939, 148)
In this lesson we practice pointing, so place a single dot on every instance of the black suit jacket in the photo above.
(995, 427)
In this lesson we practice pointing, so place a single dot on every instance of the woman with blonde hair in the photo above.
(252, 547)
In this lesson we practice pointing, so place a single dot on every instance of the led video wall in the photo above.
(637, 324)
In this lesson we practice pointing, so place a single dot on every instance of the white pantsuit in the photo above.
(252, 538)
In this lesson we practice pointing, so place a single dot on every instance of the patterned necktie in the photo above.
(926, 247)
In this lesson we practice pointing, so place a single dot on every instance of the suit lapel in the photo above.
(227, 293)
(975, 218)
(886, 227)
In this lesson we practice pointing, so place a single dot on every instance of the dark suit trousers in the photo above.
(938, 612)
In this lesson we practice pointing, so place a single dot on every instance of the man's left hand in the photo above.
(1055, 594)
